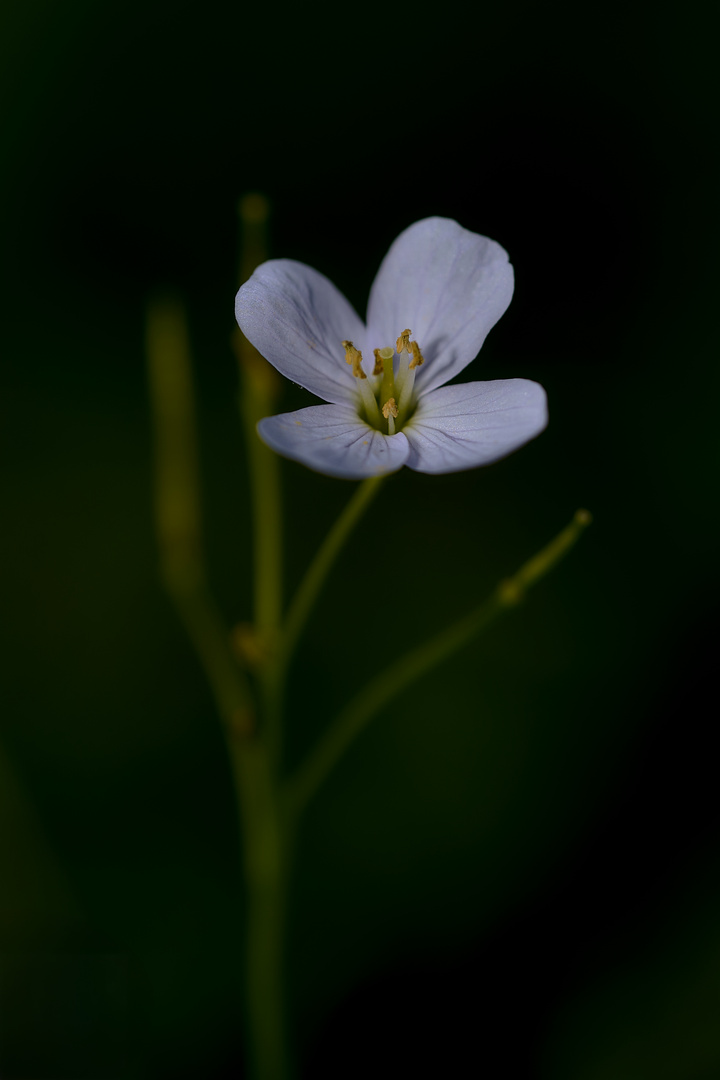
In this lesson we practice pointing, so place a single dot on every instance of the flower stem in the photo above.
(255, 403)
(351, 721)
(319, 569)
(177, 509)
(259, 390)
(255, 762)
(264, 838)
(266, 868)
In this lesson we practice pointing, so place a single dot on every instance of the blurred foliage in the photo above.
(517, 865)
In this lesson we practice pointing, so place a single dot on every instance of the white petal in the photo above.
(461, 427)
(332, 439)
(449, 286)
(297, 320)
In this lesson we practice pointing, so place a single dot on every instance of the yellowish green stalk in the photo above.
(357, 714)
(318, 571)
(177, 509)
(264, 844)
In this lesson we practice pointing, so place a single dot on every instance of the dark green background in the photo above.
(515, 871)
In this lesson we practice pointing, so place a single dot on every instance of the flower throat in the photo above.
(387, 401)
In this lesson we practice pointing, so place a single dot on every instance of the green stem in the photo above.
(177, 509)
(177, 503)
(259, 389)
(255, 402)
(255, 763)
(356, 715)
(266, 509)
(266, 868)
(211, 640)
(273, 675)
(320, 567)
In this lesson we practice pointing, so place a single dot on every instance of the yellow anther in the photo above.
(390, 408)
(403, 342)
(417, 356)
(354, 356)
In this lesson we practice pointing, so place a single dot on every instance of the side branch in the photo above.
(323, 563)
(177, 510)
(351, 721)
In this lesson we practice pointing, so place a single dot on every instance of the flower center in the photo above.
(386, 400)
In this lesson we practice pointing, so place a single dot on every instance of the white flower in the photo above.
(440, 285)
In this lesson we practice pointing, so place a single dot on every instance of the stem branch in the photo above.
(177, 510)
(351, 721)
(321, 566)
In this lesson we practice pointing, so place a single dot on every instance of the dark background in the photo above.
(515, 871)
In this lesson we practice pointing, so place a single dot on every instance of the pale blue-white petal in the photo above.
(332, 439)
(449, 286)
(461, 427)
(297, 320)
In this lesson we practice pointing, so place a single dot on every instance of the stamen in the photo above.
(354, 356)
(372, 413)
(406, 394)
(402, 370)
(418, 357)
(390, 411)
(403, 342)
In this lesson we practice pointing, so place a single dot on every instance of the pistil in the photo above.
(387, 386)
(392, 398)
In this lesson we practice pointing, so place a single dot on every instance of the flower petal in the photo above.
(297, 320)
(470, 424)
(450, 286)
(332, 439)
